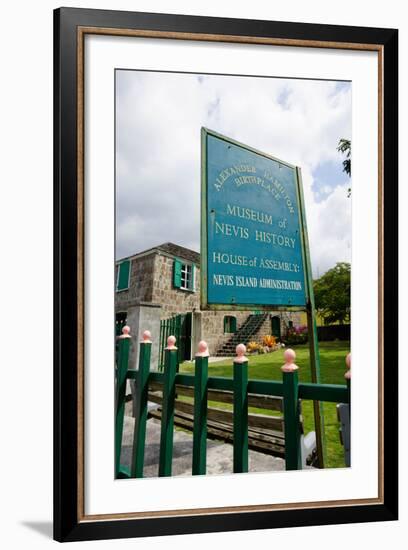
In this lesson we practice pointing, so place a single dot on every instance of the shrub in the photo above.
(253, 346)
(296, 335)
(269, 341)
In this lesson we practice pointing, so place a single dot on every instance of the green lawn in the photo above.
(267, 367)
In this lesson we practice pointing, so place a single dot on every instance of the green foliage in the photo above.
(332, 294)
(344, 147)
(293, 338)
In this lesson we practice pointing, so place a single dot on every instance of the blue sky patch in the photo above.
(326, 177)
(342, 86)
(283, 97)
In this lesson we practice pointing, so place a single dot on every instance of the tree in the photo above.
(332, 294)
(344, 147)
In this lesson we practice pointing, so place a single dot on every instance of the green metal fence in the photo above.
(180, 327)
(289, 388)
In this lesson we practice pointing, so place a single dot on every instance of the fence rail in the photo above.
(201, 386)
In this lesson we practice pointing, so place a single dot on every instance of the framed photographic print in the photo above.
(225, 243)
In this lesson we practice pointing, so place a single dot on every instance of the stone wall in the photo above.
(173, 300)
(212, 327)
(140, 283)
(266, 328)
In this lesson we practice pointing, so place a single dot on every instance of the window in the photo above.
(230, 324)
(186, 277)
(183, 275)
(122, 280)
(120, 322)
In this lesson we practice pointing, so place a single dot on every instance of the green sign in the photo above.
(254, 244)
(252, 232)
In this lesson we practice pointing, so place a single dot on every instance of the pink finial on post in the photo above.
(171, 342)
(147, 337)
(125, 332)
(240, 350)
(289, 356)
(347, 376)
(202, 349)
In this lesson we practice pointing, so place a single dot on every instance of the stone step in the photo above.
(244, 335)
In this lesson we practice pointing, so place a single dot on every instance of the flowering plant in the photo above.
(253, 346)
(269, 341)
(296, 334)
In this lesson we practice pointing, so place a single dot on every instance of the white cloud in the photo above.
(159, 117)
(329, 226)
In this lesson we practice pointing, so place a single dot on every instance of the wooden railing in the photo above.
(200, 383)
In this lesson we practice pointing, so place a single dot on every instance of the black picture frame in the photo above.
(69, 523)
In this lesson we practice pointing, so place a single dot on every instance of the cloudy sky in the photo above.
(158, 122)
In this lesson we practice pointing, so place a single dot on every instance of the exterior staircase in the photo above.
(244, 335)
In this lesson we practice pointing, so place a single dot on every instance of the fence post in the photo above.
(291, 411)
(344, 412)
(240, 410)
(142, 388)
(347, 376)
(121, 372)
(167, 420)
(161, 344)
(200, 410)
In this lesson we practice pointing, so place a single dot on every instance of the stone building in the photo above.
(159, 289)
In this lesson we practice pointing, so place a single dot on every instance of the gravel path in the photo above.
(219, 455)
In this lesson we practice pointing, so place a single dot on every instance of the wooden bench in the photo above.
(265, 432)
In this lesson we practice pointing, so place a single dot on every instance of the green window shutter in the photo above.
(225, 324)
(192, 286)
(233, 324)
(177, 274)
(123, 275)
